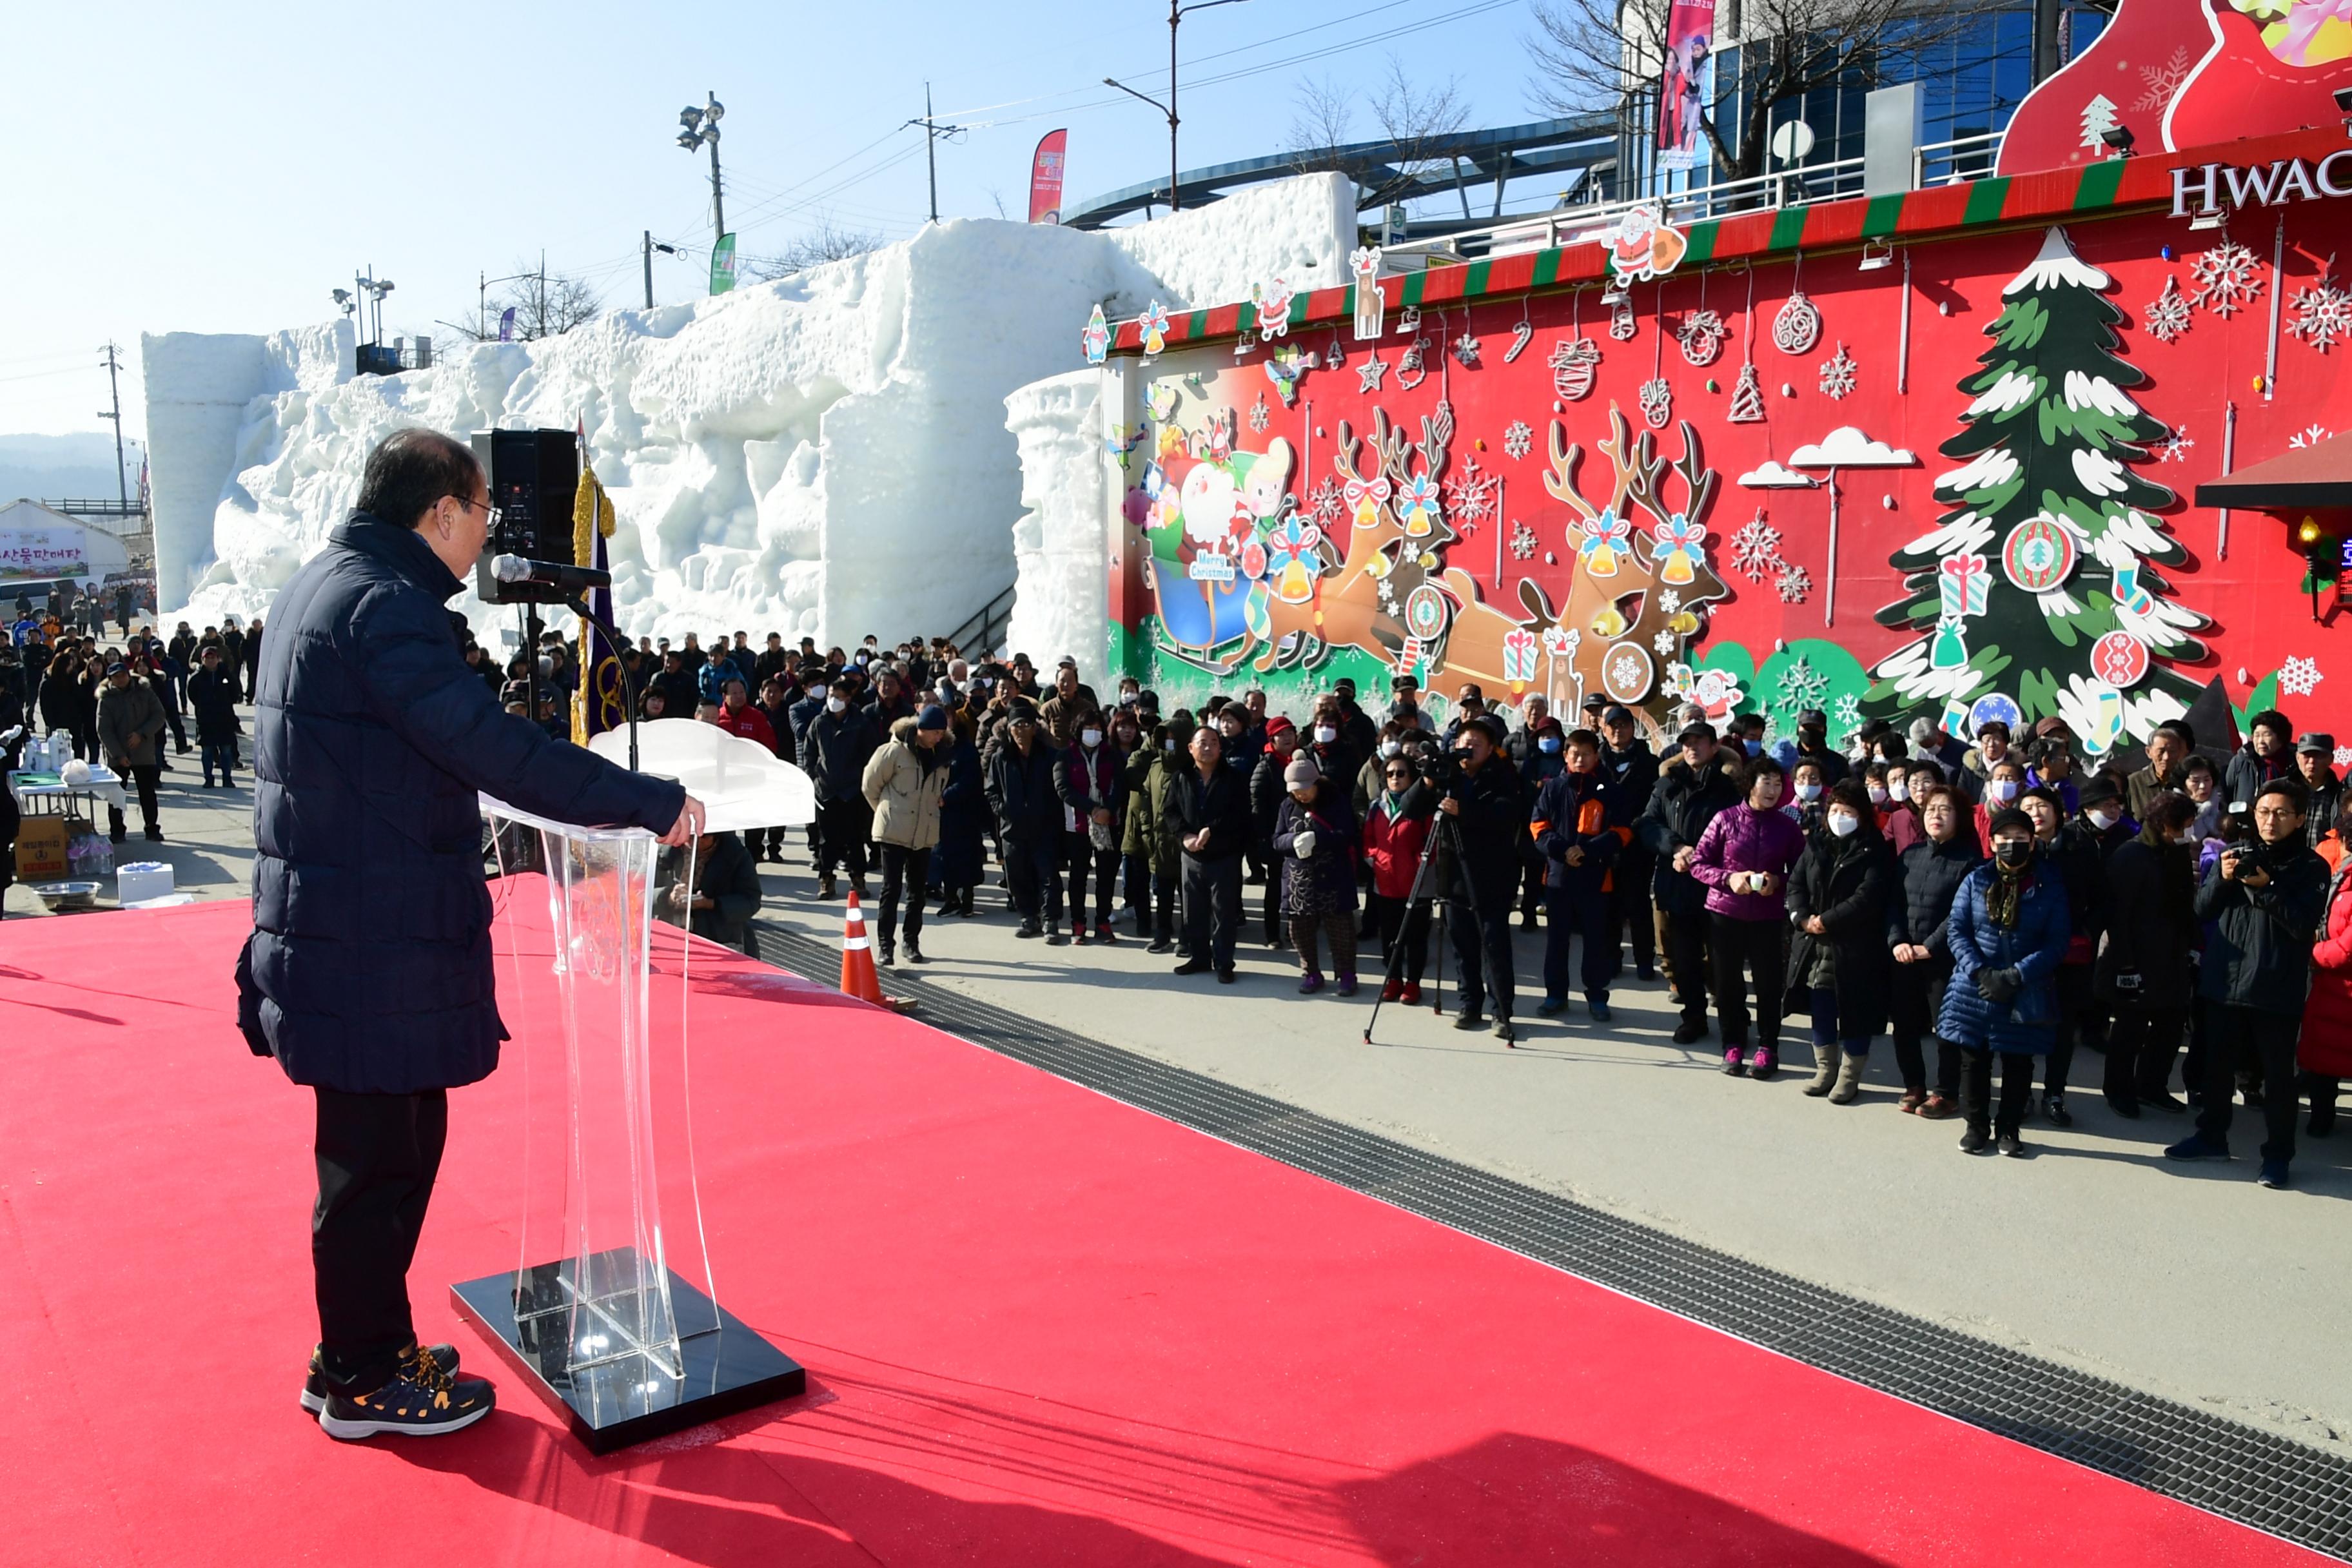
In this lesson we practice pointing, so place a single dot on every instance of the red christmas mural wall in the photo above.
(1948, 472)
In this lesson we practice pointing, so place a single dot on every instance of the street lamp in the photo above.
(701, 130)
(374, 289)
(1176, 12)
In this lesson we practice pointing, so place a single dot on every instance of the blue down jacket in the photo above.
(2028, 1024)
(369, 966)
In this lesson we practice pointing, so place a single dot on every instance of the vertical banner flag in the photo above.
(506, 325)
(1045, 178)
(1681, 89)
(604, 701)
(722, 264)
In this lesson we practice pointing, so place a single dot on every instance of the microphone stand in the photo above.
(578, 605)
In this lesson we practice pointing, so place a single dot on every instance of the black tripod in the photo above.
(1446, 832)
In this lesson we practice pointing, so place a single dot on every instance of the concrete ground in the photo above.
(2187, 1281)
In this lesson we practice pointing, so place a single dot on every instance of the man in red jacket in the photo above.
(737, 717)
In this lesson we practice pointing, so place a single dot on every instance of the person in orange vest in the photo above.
(1581, 824)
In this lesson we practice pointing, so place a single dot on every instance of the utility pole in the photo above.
(651, 245)
(1176, 12)
(701, 130)
(932, 132)
(121, 482)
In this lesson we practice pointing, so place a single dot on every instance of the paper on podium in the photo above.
(741, 783)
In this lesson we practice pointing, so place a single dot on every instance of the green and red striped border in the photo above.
(2089, 189)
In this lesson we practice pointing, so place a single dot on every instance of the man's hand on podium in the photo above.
(688, 826)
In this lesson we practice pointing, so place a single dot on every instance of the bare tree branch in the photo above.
(1322, 118)
(828, 243)
(544, 305)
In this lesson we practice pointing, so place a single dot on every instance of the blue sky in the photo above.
(221, 168)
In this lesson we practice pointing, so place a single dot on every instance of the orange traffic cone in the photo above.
(858, 978)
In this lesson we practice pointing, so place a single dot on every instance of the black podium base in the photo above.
(726, 1367)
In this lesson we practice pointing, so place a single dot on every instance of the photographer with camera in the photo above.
(2262, 902)
(1480, 795)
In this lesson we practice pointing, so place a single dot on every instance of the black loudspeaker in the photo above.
(534, 476)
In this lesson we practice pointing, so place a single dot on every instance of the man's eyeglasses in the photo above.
(492, 514)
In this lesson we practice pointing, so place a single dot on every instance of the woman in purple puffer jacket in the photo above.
(1743, 858)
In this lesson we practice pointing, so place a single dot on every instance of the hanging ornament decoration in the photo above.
(1680, 549)
(1951, 648)
(1573, 363)
(1155, 327)
(1365, 499)
(1408, 320)
(1335, 357)
(1273, 303)
(1963, 585)
(1095, 337)
(1798, 327)
(1702, 337)
(1794, 583)
(2167, 315)
(1260, 415)
(2131, 596)
(1606, 538)
(1364, 267)
(2119, 659)
(1621, 324)
(1411, 371)
(1368, 373)
(1520, 335)
(1518, 440)
(2323, 311)
(1417, 505)
(2037, 555)
(1837, 373)
(1521, 651)
(2228, 277)
(1465, 350)
(1627, 672)
(1992, 708)
(1746, 398)
(1657, 403)
(1244, 340)
(1425, 612)
(1286, 367)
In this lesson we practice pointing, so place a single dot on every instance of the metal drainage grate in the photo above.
(2257, 1477)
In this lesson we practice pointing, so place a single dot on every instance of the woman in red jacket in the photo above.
(2325, 1053)
(1395, 828)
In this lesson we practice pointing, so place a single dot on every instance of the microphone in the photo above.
(549, 574)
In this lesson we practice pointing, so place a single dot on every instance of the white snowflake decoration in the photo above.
(1625, 671)
(1668, 601)
(1470, 496)
(1259, 414)
(2175, 448)
(1466, 349)
(1803, 686)
(1518, 439)
(2344, 756)
(2298, 675)
(1848, 712)
(1523, 541)
(1330, 503)
(1794, 583)
(1756, 549)
(2228, 277)
(2309, 436)
(2323, 314)
(1664, 643)
(1837, 373)
(2162, 82)
(2168, 314)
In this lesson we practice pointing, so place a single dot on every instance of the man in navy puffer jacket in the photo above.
(368, 975)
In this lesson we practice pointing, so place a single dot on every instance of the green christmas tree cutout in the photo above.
(2049, 541)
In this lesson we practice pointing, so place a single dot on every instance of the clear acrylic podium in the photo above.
(604, 1330)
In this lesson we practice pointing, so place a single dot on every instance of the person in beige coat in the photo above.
(130, 718)
(904, 781)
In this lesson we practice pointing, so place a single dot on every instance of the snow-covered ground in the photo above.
(827, 455)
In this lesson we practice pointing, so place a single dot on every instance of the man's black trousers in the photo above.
(377, 1156)
(1482, 952)
(1212, 908)
(2242, 1037)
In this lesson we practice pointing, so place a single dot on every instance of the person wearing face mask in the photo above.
(1929, 878)
(1029, 822)
(1266, 792)
(1813, 746)
(1807, 799)
(1838, 960)
(1999, 788)
(1087, 777)
(1208, 805)
(1488, 807)
(1691, 791)
(1371, 778)
(841, 740)
(1315, 841)
(1581, 825)
(1134, 769)
(2103, 814)
(905, 784)
(2265, 901)
(1540, 760)
(1357, 730)
(1327, 747)
(1395, 828)
(1744, 859)
(1991, 748)
(961, 861)
(1874, 784)
(2008, 935)
(1153, 831)
(2146, 969)
(2071, 853)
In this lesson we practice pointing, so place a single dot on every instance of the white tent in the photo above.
(38, 546)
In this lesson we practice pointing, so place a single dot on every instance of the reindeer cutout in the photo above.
(1641, 574)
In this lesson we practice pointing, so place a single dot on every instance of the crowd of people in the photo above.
(1996, 901)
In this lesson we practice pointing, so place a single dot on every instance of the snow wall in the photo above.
(826, 454)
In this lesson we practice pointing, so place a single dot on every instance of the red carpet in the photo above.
(1040, 1327)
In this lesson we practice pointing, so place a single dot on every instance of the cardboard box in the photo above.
(41, 848)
